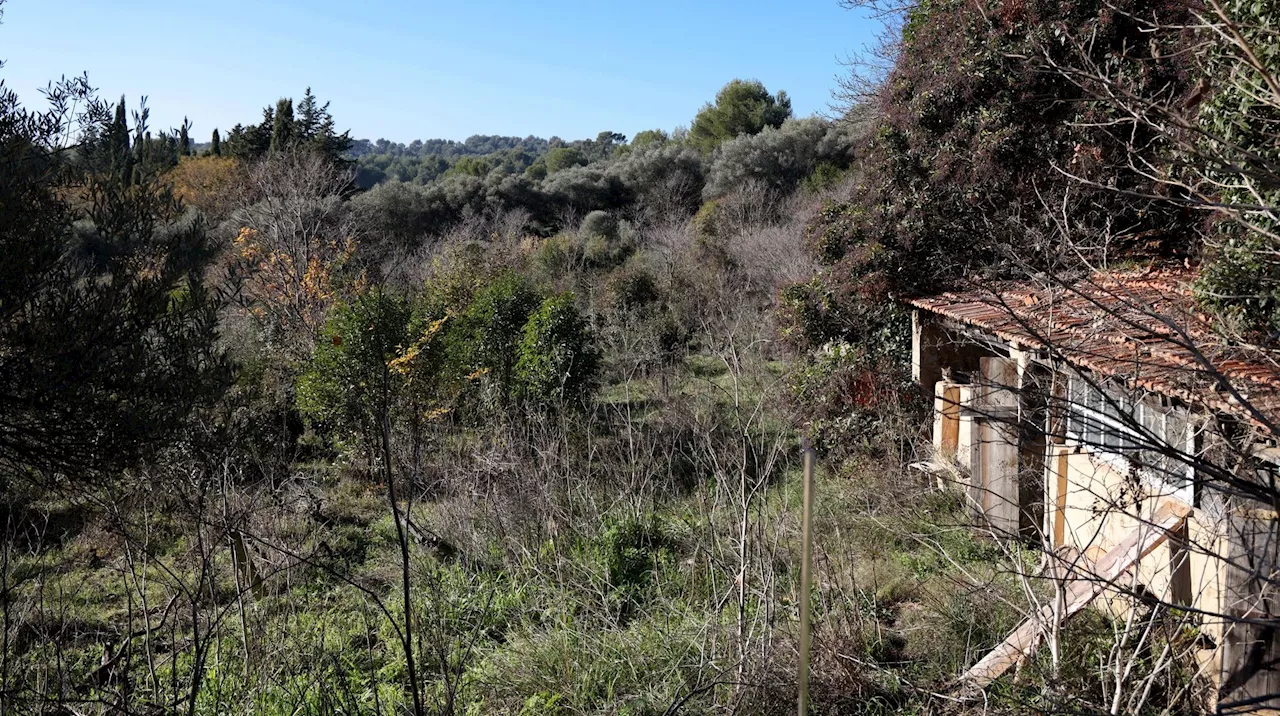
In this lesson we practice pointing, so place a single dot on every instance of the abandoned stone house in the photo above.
(1107, 422)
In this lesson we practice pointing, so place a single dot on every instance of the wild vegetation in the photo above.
(295, 423)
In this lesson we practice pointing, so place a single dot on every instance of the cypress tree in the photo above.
(120, 158)
(184, 138)
(216, 147)
(283, 129)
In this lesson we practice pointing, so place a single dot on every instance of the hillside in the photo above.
(296, 423)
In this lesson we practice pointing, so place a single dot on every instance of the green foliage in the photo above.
(558, 256)
(972, 139)
(562, 158)
(349, 382)
(632, 550)
(602, 241)
(706, 221)
(558, 361)
(492, 330)
(1236, 145)
(632, 288)
(780, 157)
(184, 138)
(310, 129)
(107, 326)
(116, 144)
(471, 166)
(854, 384)
(648, 137)
(600, 223)
(741, 107)
(1241, 285)
(282, 130)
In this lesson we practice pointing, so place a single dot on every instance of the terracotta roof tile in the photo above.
(1141, 327)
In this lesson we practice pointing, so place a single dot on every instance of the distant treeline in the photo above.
(747, 135)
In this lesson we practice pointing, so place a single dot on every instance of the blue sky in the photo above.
(408, 70)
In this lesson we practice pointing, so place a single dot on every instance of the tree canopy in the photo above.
(740, 107)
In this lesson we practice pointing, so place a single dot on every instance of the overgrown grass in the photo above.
(591, 592)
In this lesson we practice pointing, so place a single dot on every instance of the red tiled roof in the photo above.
(1141, 327)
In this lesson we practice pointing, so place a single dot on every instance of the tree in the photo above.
(184, 138)
(283, 130)
(779, 157)
(107, 327)
(253, 141)
(311, 129)
(649, 136)
(310, 116)
(355, 380)
(491, 329)
(562, 158)
(348, 383)
(117, 146)
(215, 145)
(741, 107)
(296, 238)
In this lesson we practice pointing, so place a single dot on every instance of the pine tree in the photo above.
(283, 130)
(310, 116)
(215, 147)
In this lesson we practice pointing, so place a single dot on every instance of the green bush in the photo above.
(600, 223)
(489, 333)
(631, 288)
(347, 381)
(1241, 286)
(557, 361)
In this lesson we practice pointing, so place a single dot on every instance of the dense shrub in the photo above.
(489, 332)
(975, 140)
(1240, 159)
(741, 107)
(347, 382)
(558, 361)
(600, 223)
(780, 157)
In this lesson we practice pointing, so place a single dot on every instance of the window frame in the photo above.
(1088, 403)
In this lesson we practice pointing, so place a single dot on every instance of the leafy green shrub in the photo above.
(562, 158)
(347, 381)
(600, 223)
(741, 107)
(491, 330)
(1238, 154)
(1241, 286)
(631, 288)
(705, 222)
(632, 549)
(604, 244)
(858, 402)
(557, 360)
(558, 256)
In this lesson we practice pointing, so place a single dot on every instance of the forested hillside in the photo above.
(296, 423)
